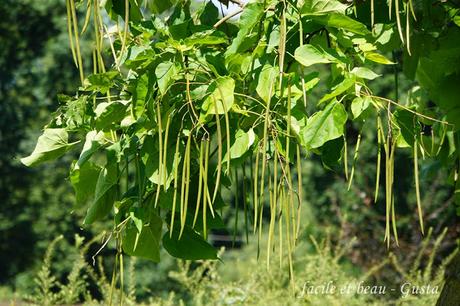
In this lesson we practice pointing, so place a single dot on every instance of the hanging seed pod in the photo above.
(380, 138)
(355, 158)
(200, 182)
(206, 196)
(219, 155)
(185, 185)
(237, 196)
(70, 32)
(176, 178)
(299, 191)
(165, 153)
(255, 184)
(272, 185)
(417, 186)
(160, 153)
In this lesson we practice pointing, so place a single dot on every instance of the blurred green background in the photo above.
(36, 65)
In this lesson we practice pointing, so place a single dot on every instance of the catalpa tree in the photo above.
(183, 102)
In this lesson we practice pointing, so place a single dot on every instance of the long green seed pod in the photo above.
(87, 17)
(160, 153)
(98, 26)
(287, 216)
(219, 154)
(125, 30)
(264, 149)
(388, 197)
(206, 197)
(372, 14)
(185, 184)
(398, 21)
(77, 40)
(417, 187)
(70, 34)
(393, 214)
(255, 184)
(273, 202)
(379, 158)
(282, 44)
(301, 38)
(355, 158)
(299, 191)
(122, 276)
(408, 32)
(227, 130)
(245, 204)
(200, 182)
(237, 206)
(280, 238)
(176, 177)
(165, 153)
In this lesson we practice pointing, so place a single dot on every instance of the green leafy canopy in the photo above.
(182, 105)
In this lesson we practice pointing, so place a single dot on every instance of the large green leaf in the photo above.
(309, 55)
(84, 180)
(189, 246)
(408, 127)
(343, 22)
(109, 112)
(116, 8)
(165, 73)
(340, 88)
(159, 6)
(267, 82)
(52, 144)
(312, 7)
(94, 141)
(377, 58)
(243, 141)
(141, 94)
(331, 153)
(146, 243)
(364, 73)
(106, 188)
(439, 75)
(220, 96)
(324, 125)
(359, 105)
(248, 22)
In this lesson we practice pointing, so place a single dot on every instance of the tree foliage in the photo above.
(193, 104)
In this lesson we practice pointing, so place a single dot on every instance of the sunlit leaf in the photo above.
(165, 73)
(109, 112)
(266, 82)
(378, 58)
(324, 125)
(52, 144)
(221, 96)
(364, 73)
(311, 7)
(308, 55)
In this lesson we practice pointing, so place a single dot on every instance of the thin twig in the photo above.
(409, 110)
(227, 17)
